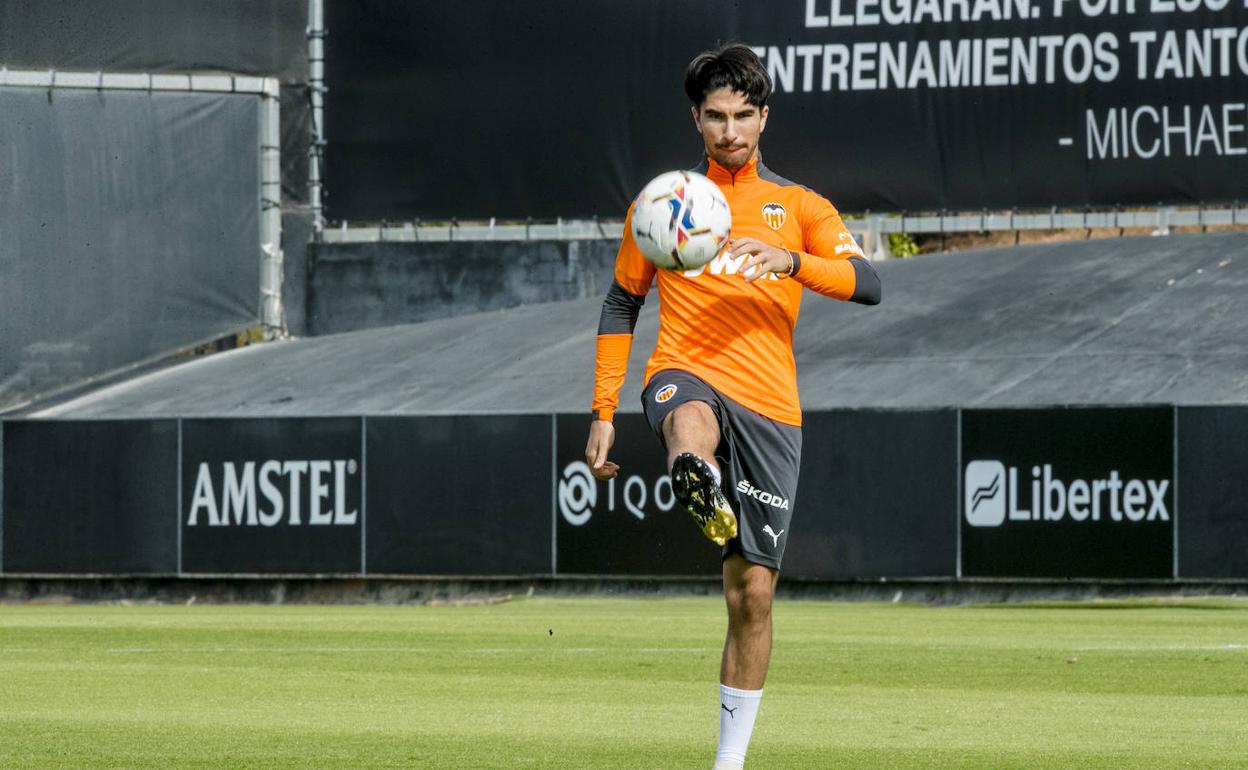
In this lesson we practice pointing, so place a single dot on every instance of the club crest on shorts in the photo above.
(665, 394)
(774, 215)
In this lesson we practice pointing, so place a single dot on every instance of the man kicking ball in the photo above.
(721, 385)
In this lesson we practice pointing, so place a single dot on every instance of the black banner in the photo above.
(1068, 493)
(90, 497)
(1213, 485)
(631, 524)
(459, 495)
(563, 108)
(877, 496)
(272, 496)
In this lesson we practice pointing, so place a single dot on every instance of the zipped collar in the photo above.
(721, 175)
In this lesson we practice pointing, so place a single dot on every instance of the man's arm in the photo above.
(615, 340)
(852, 279)
(833, 264)
(620, 309)
(849, 278)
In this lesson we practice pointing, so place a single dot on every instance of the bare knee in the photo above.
(749, 600)
(692, 427)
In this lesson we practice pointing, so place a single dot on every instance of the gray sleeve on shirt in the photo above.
(619, 310)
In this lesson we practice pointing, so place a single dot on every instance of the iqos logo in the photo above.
(578, 494)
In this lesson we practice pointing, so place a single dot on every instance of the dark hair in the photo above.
(733, 66)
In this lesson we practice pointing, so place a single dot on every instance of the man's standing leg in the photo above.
(748, 591)
(693, 428)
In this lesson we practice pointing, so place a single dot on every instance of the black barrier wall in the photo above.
(1213, 492)
(272, 496)
(629, 525)
(90, 497)
(460, 495)
(969, 105)
(873, 496)
(1068, 493)
(1137, 493)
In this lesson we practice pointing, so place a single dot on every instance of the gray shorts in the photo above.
(759, 460)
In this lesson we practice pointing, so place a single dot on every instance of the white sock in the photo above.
(737, 710)
(715, 475)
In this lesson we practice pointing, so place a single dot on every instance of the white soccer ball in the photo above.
(681, 220)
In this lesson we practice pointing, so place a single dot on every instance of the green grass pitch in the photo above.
(621, 683)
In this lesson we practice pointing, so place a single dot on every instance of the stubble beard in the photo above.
(725, 157)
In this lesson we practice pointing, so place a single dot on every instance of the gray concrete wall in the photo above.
(355, 286)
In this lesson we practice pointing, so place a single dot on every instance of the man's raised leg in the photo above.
(692, 428)
(692, 435)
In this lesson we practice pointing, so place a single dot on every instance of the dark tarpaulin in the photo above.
(242, 37)
(130, 229)
(296, 128)
(563, 108)
(251, 37)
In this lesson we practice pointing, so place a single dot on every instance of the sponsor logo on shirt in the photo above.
(725, 264)
(848, 245)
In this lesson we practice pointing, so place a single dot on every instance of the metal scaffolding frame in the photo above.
(316, 96)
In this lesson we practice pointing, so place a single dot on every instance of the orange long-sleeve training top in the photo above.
(736, 336)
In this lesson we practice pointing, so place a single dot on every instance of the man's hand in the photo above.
(764, 258)
(601, 437)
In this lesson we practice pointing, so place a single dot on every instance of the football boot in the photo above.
(695, 489)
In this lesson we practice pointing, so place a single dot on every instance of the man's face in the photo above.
(730, 127)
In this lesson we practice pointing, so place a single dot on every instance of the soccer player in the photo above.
(721, 385)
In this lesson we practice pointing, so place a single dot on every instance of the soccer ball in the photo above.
(681, 220)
